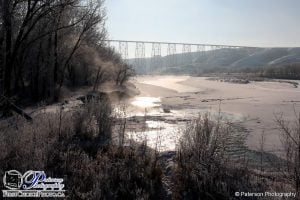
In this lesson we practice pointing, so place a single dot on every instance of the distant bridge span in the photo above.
(157, 47)
(151, 55)
(179, 43)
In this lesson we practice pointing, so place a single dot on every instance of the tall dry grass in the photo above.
(204, 168)
(290, 137)
(77, 146)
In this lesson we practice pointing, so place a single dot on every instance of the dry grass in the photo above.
(290, 132)
(205, 170)
(77, 146)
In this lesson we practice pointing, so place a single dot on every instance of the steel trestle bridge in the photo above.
(139, 47)
(149, 56)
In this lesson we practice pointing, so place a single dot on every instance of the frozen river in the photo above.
(167, 103)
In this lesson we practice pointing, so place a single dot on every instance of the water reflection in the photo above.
(146, 102)
(164, 138)
(162, 130)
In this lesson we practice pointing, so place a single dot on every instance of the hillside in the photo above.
(221, 59)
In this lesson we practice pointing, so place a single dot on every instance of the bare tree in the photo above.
(40, 39)
(123, 73)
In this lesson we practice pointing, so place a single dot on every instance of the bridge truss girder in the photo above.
(169, 49)
(123, 49)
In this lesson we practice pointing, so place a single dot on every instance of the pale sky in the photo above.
(263, 23)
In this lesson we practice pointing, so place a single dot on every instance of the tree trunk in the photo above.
(7, 21)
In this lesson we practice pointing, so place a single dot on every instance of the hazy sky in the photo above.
(232, 22)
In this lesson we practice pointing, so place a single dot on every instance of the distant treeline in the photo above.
(49, 44)
(289, 71)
